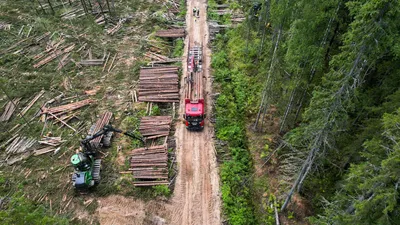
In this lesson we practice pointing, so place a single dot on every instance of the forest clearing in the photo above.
(199, 112)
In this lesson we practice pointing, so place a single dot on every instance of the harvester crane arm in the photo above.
(109, 128)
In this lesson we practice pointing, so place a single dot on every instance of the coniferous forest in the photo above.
(318, 82)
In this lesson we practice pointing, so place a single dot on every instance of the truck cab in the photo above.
(194, 115)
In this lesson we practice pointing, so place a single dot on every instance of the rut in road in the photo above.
(196, 198)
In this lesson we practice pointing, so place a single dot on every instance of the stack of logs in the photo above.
(159, 84)
(101, 122)
(149, 166)
(152, 127)
(171, 33)
(160, 59)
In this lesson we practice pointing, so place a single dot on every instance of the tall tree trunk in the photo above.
(288, 109)
(265, 98)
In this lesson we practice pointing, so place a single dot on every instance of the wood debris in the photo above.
(117, 27)
(93, 91)
(149, 166)
(59, 110)
(31, 103)
(160, 59)
(100, 20)
(52, 141)
(159, 84)
(152, 127)
(221, 12)
(171, 33)
(92, 62)
(5, 26)
(54, 55)
(44, 150)
(9, 109)
(74, 13)
(20, 145)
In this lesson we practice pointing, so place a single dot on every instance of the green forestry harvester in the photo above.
(87, 163)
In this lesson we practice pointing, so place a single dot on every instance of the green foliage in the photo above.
(369, 192)
(161, 190)
(231, 108)
(183, 10)
(22, 211)
(178, 49)
(155, 111)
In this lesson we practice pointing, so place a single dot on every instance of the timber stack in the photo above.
(149, 166)
(159, 84)
(171, 33)
(152, 127)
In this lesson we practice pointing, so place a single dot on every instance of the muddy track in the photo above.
(196, 198)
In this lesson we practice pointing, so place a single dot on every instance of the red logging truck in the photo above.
(194, 101)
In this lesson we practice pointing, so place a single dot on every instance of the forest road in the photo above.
(196, 198)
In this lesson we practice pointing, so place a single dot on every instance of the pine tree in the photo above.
(369, 38)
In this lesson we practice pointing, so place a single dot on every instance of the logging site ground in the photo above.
(70, 67)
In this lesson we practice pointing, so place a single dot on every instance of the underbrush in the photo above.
(230, 128)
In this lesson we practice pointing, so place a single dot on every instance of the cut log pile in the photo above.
(98, 126)
(159, 59)
(9, 109)
(152, 127)
(171, 33)
(159, 84)
(149, 166)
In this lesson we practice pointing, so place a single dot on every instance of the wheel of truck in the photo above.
(107, 139)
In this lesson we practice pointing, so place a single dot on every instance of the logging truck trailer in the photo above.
(194, 101)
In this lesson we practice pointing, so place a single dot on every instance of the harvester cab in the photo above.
(87, 163)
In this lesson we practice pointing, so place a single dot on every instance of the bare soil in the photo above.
(196, 198)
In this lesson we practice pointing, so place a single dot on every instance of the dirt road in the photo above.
(196, 198)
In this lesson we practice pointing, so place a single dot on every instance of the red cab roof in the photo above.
(194, 109)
